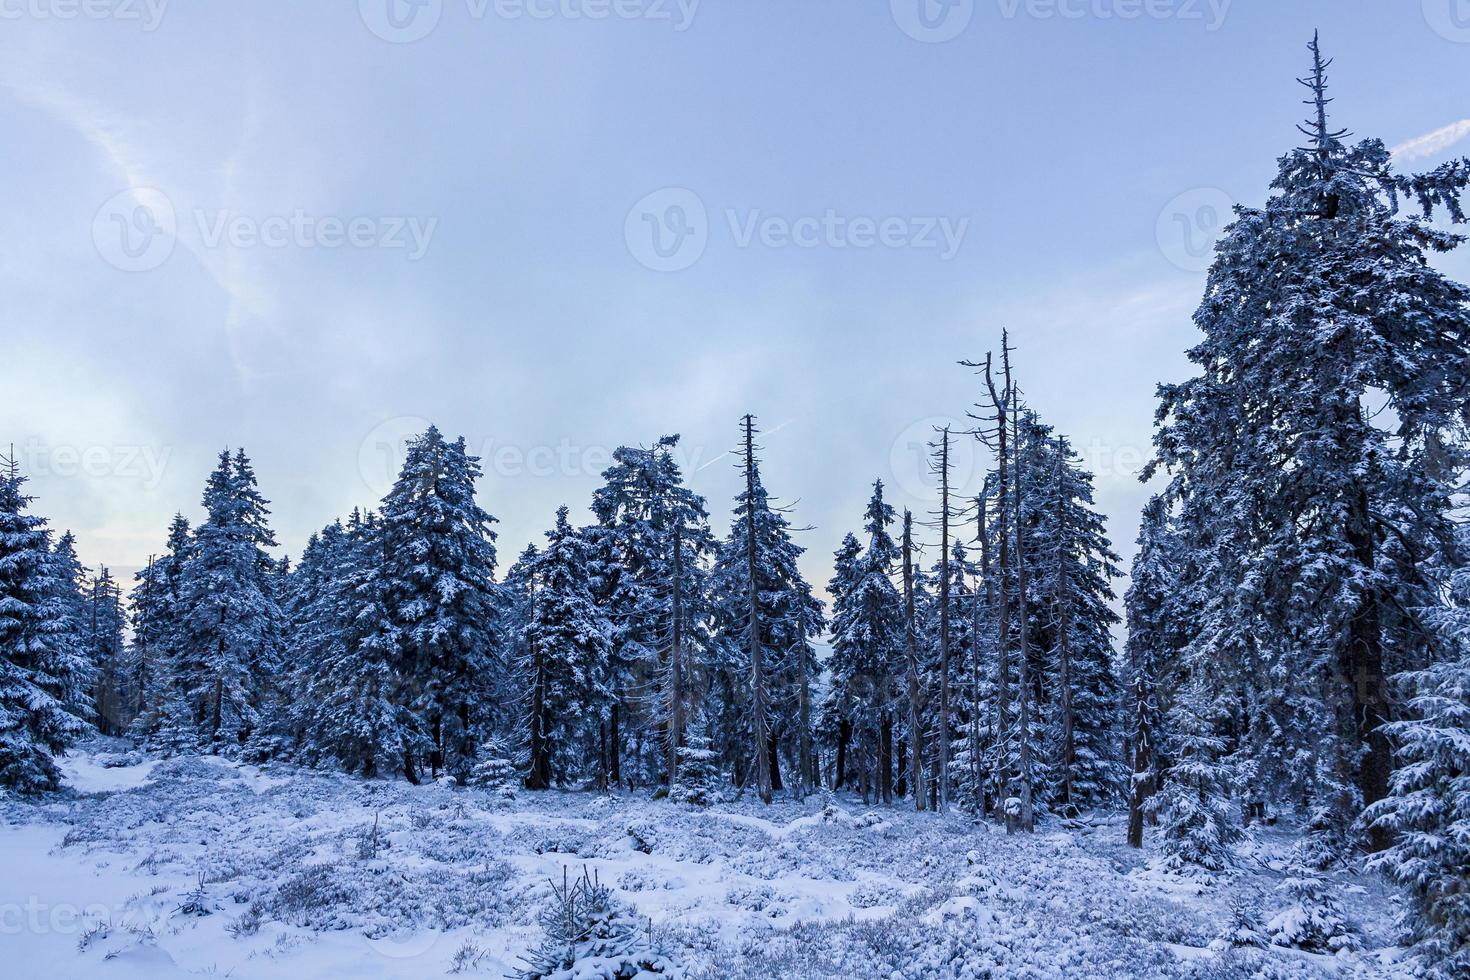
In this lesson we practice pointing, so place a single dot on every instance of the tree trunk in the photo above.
(1064, 657)
(844, 736)
(1028, 813)
(942, 763)
(1365, 672)
(1002, 775)
(676, 662)
(916, 726)
(759, 723)
(1141, 787)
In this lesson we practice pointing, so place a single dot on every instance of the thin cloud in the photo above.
(1431, 143)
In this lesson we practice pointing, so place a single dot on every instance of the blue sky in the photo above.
(292, 227)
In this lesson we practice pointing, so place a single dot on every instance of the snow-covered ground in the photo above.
(163, 868)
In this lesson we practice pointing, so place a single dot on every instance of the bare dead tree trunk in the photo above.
(676, 660)
(916, 727)
(759, 723)
(805, 781)
(977, 773)
(944, 594)
(1001, 404)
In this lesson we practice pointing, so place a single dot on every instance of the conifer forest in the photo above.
(974, 722)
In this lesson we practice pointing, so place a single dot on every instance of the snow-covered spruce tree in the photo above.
(587, 935)
(354, 700)
(842, 662)
(761, 693)
(106, 627)
(1428, 808)
(964, 767)
(1074, 569)
(569, 641)
(1198, 826)
(42, 673)
(229, 619)
(443, 606)
(1314, 456)
(161, 717)
(698, 772)
(1312, 919)
(641, 505)
(518, 596)
(72, 594)
(1152, 649)
(496, 770)
(867, 652)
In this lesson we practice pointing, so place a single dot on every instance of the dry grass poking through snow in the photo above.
(309, 873)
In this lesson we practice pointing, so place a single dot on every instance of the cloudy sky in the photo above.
(557, 226)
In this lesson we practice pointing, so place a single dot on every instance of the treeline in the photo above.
(620, 650)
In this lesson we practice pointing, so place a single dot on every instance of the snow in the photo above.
(296, 884)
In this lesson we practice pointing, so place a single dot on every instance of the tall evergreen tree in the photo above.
(72, 593)
(867, 645)
(106, 629)
(229, 620)
(1428, 808)
(1154, 643)
(161, 712)
(843, 662)
(570, 640)
(1308, 513)
(354, 699)
(441, 598)
(42, 674)
(1075, 567)
(756, 670)
(643, 504)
